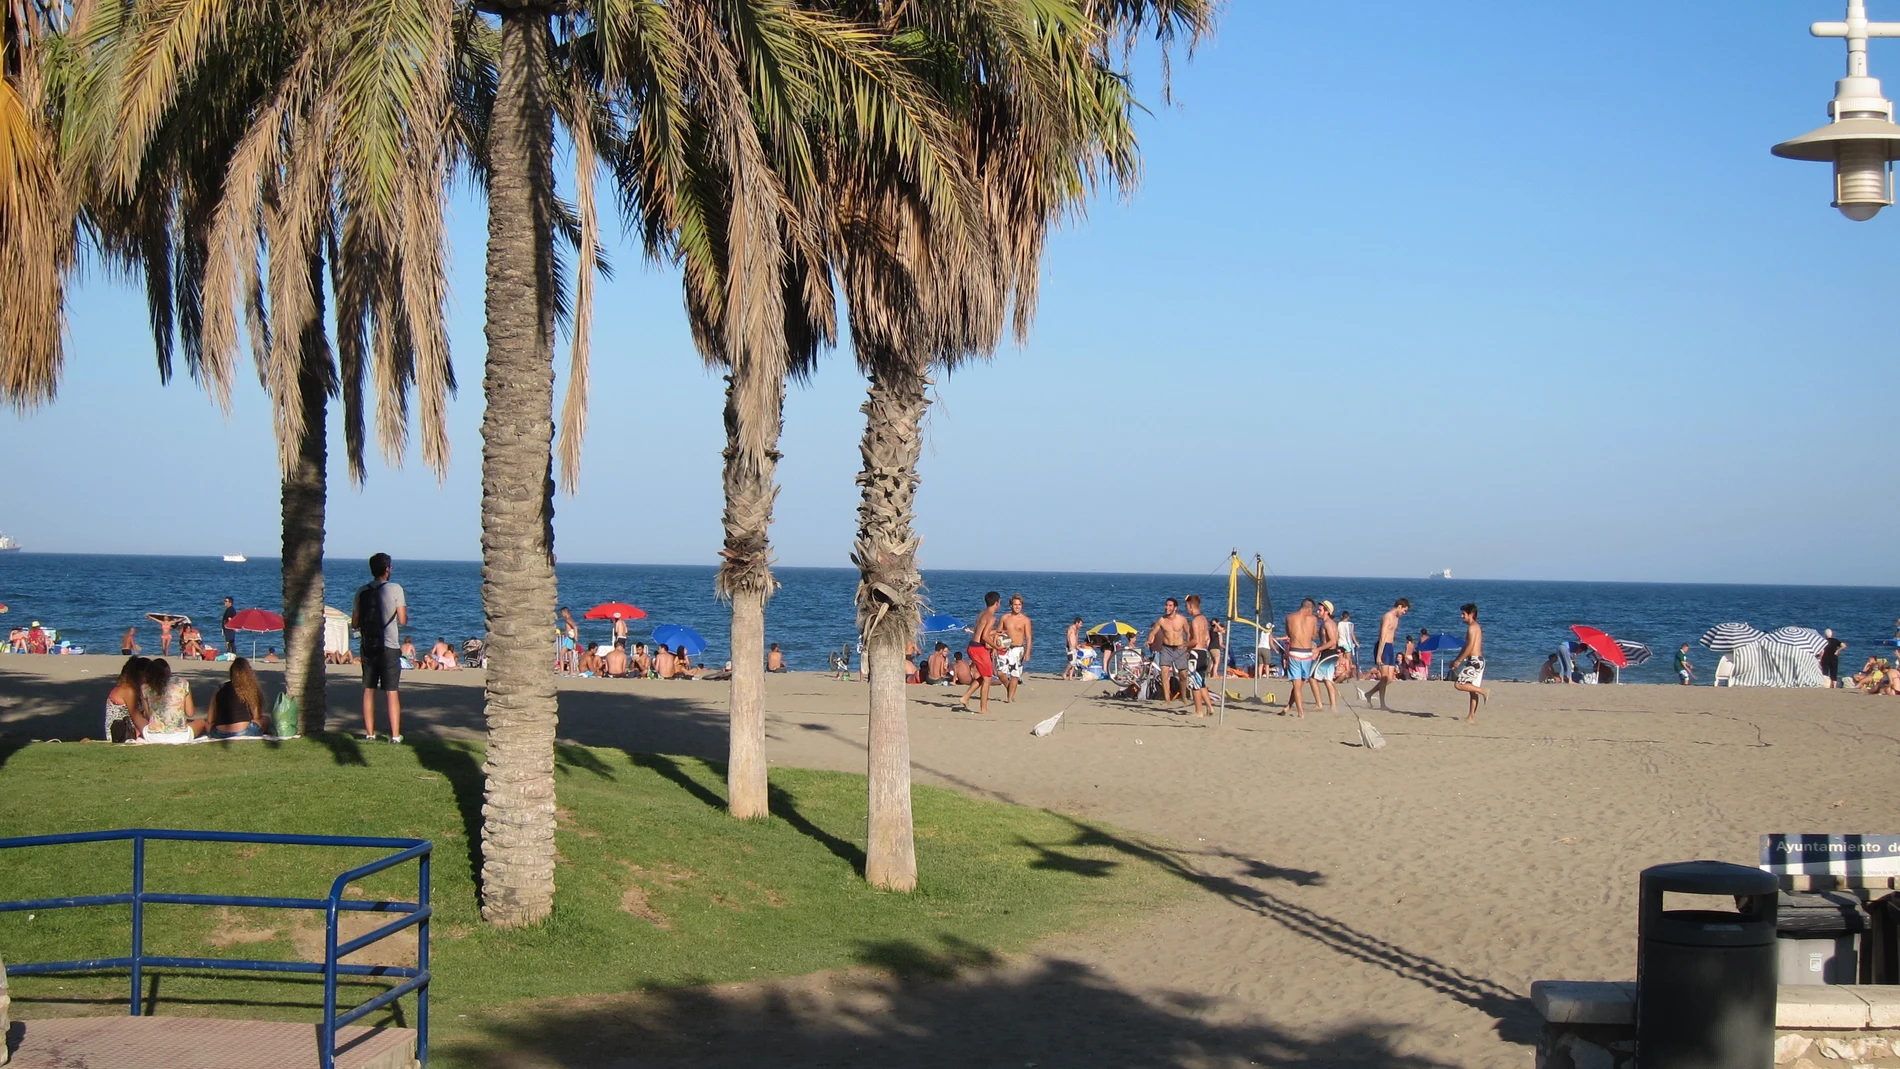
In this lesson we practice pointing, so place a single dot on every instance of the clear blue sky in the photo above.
(1513, 289)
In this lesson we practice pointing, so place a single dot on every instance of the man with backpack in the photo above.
(379, 615)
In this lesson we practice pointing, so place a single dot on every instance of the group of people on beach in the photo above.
(150, 704)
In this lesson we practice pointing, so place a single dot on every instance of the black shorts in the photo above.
(382, 668)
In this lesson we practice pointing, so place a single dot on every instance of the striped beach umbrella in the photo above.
(1724, 637)
(1635, 652)
(1112, 628)
(1800, 638)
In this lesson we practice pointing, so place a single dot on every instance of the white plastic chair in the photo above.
(1724, 672)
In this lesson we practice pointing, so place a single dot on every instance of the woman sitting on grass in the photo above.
(171, 716)
(125, 706)
(237, 709)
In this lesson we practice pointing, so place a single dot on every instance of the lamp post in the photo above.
(1862, 141)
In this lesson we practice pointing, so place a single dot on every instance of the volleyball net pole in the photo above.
(1249, 604)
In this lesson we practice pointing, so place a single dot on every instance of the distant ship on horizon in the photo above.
(235, 558)
(8, 545)
(1441, 574)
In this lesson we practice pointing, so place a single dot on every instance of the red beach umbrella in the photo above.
(257, 620)
(615, 610)
(1602, 645)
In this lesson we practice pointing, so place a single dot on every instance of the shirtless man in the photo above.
(937, 667)
(1168, 644)
(1022, 638)
(1071, 642)
(617, 659)
(1329, 654)
(665, 665)
(774, 659)
(1468, 668)
(1302, 651)
(982, 649)
(1200, 642)
(1386, 657)
(641, 664)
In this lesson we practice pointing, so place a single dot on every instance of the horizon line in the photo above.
(1032, 571)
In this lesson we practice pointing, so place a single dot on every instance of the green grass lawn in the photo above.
(657, 887)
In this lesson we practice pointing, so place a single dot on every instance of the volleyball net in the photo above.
(1249, 605)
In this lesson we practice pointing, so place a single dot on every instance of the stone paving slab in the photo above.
(199, 1043)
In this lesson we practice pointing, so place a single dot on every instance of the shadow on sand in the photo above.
(915, 1005)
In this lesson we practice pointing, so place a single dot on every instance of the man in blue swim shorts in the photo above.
(1302, 650)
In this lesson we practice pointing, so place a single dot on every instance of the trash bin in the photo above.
(1817, 938)
(1705, 979)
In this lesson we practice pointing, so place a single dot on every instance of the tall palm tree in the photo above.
(754, 419)
(1044, 113)
(230, 152)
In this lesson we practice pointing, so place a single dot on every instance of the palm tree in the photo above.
(229, 154)
(754, 419)
(36, 210)
(1045, 116)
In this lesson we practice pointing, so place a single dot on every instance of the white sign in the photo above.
(1831, 855)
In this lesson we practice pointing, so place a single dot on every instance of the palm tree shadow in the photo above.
(784, 806)
(455, 762)
(1517, 1020)
(920, 1004)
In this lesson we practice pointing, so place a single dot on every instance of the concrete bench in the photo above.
(1592, 1025)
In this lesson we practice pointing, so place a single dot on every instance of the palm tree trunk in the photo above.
(755, 404)
(304, 490)
(886, 556)
(518, 589)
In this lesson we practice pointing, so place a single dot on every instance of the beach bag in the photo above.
(283, 717)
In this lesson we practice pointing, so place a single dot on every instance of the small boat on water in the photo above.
(8, 545)
(235, 558)
(1442, 574)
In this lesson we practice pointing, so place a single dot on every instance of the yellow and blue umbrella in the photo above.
(1113, 627)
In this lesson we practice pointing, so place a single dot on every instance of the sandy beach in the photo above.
(1337, 906)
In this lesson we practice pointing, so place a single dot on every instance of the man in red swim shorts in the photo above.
(982, 646)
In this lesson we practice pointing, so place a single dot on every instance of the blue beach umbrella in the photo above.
(673, 636)
(1442, 641)
(939, 621)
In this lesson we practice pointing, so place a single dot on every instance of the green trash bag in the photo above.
(283, 717)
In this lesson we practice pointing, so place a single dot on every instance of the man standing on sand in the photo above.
(380, 614)
(1684, 670)
(230, 633)
(129, 645)
(1386, 655)
(1302, 650)
(1167, 644)
(1072, 642)
(1327, 666)
(1022, 639)
(1200, 654)
(1467, 669)
(981, 649)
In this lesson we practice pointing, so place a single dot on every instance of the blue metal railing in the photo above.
(416, 914)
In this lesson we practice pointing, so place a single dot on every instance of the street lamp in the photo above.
(1862, 141)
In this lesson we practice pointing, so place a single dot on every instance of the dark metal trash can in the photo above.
(1818, 937)
(1705, 979)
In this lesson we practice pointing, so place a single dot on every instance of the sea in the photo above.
(92, 599)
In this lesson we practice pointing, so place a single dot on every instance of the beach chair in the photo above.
(841, 662)
(1724, 672)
